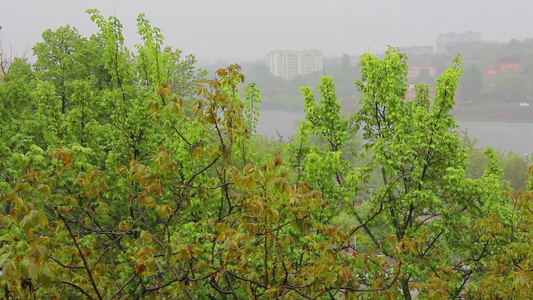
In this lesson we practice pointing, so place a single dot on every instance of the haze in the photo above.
(245, 30)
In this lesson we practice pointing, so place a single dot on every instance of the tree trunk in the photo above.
(405, 288)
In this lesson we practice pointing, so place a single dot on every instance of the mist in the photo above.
(246, 30)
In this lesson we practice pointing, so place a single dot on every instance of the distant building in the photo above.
(411, 94)
(415, 71)
(459, 42)
(490, 42)
(417, 50)
(288, 64)
(491, 72)
(505, 65)
(510, 64)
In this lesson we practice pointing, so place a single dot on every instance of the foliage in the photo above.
(471, 83)
(421, 215)
(508, 268)
(129, 175)
(514, 166)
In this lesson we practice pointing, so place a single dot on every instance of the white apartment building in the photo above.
(288, 64)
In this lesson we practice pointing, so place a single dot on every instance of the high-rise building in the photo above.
(288, 64)
(417, 50)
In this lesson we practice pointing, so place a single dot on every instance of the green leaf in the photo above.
(32, 270)
(8, 270)
(45, 277)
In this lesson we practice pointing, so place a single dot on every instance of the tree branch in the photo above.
(124, 285)
(78, 287)
(89, 272)
(120, 237)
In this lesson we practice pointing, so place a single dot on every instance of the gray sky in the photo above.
(238, 30)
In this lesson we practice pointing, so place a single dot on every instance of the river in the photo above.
(502, 136)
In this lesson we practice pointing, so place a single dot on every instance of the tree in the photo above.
(16, 95)
(508, 268)
(179, 200)
(345, 65)
(418, 149)
(471, 83)
(515, 168)
(511, 88)
(420, 215)
(63, 56)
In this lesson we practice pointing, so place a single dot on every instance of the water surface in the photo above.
(502, 136)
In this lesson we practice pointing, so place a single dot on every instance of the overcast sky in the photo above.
(237, 30)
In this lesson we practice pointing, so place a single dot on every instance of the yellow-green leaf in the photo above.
(32, 270)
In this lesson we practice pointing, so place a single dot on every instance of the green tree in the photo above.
(417, 147)
(17, 133)
(471, 83)
(63, 56)
(420, 216)
(510, 88)
(515, 168)
(345, 65)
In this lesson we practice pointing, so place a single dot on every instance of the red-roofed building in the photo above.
(510, 64)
